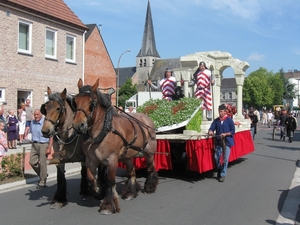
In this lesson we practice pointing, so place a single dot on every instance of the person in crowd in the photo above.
(40, 149)
(291, 125)
(231, 112)
(264, 117)
(29, 117)
(2, 118)
(12, 134)
(120, 109)
(270, 118)
(167, 85)
(295, 121)
(3, 143)
(22, 122)
(256, 112)
(282, 118)
(130, 109)
(203, 79)
(224, 129)
(254, 121)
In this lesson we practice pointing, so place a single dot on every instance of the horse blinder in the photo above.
(43, 109)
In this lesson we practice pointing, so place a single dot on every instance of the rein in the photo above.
(61, 112)
(56, 134)
(107, 125)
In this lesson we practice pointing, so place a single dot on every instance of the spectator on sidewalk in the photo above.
(3, 143)
(29, 117)
(40, 149)
(22, 122)
(2, 118)
(270, 118)
(12, 134)
(264, 118)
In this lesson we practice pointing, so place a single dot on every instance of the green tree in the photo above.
(256, 90)
(126, 91)
(276, 84)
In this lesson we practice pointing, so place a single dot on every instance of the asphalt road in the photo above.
(253, 193)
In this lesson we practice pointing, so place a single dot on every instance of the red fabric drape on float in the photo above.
(243, 145)
(162, 159)
(200, 153)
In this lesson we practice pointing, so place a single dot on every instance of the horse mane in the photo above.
(55, 97)
(69, 99)
(102, 98)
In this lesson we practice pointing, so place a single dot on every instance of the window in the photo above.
(145, 64)
(25, 30)
(230, 95)
(70, 48)
(51, 36)
(2, 95)
(223, 95)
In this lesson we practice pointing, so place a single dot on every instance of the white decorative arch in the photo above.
(217, 62)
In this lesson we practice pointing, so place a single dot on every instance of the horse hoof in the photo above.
(105, 212)
(56, 205)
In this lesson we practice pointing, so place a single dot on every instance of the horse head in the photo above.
(54, 112)
(84, 103)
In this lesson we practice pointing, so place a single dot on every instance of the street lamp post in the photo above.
(118, 76)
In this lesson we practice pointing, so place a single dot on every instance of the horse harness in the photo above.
(61, 112)
(107, 127)
(60, 153)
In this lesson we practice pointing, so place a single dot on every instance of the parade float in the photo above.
(181, 128)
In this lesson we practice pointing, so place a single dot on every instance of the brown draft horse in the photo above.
(114, 137)
(67, 144)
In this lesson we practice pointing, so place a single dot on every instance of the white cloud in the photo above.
(296, 51)
(256, 57)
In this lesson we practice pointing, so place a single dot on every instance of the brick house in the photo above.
(98, 63)
(42, 45)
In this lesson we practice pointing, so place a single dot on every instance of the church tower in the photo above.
(148, 53)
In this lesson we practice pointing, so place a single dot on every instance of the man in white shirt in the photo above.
(270, 117)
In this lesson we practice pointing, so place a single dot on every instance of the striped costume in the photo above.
(167, 86)
(203, 79)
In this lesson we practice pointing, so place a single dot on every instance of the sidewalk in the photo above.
(71, 169)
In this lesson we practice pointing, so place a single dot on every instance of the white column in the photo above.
(239, 78)
(216, 93)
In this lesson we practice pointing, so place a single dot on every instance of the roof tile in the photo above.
(49, 8)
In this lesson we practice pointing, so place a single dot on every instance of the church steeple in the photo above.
(148, 44)
(148, 53)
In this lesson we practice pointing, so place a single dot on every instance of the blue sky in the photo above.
(264, 33)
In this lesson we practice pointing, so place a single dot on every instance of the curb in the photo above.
(30, 182)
